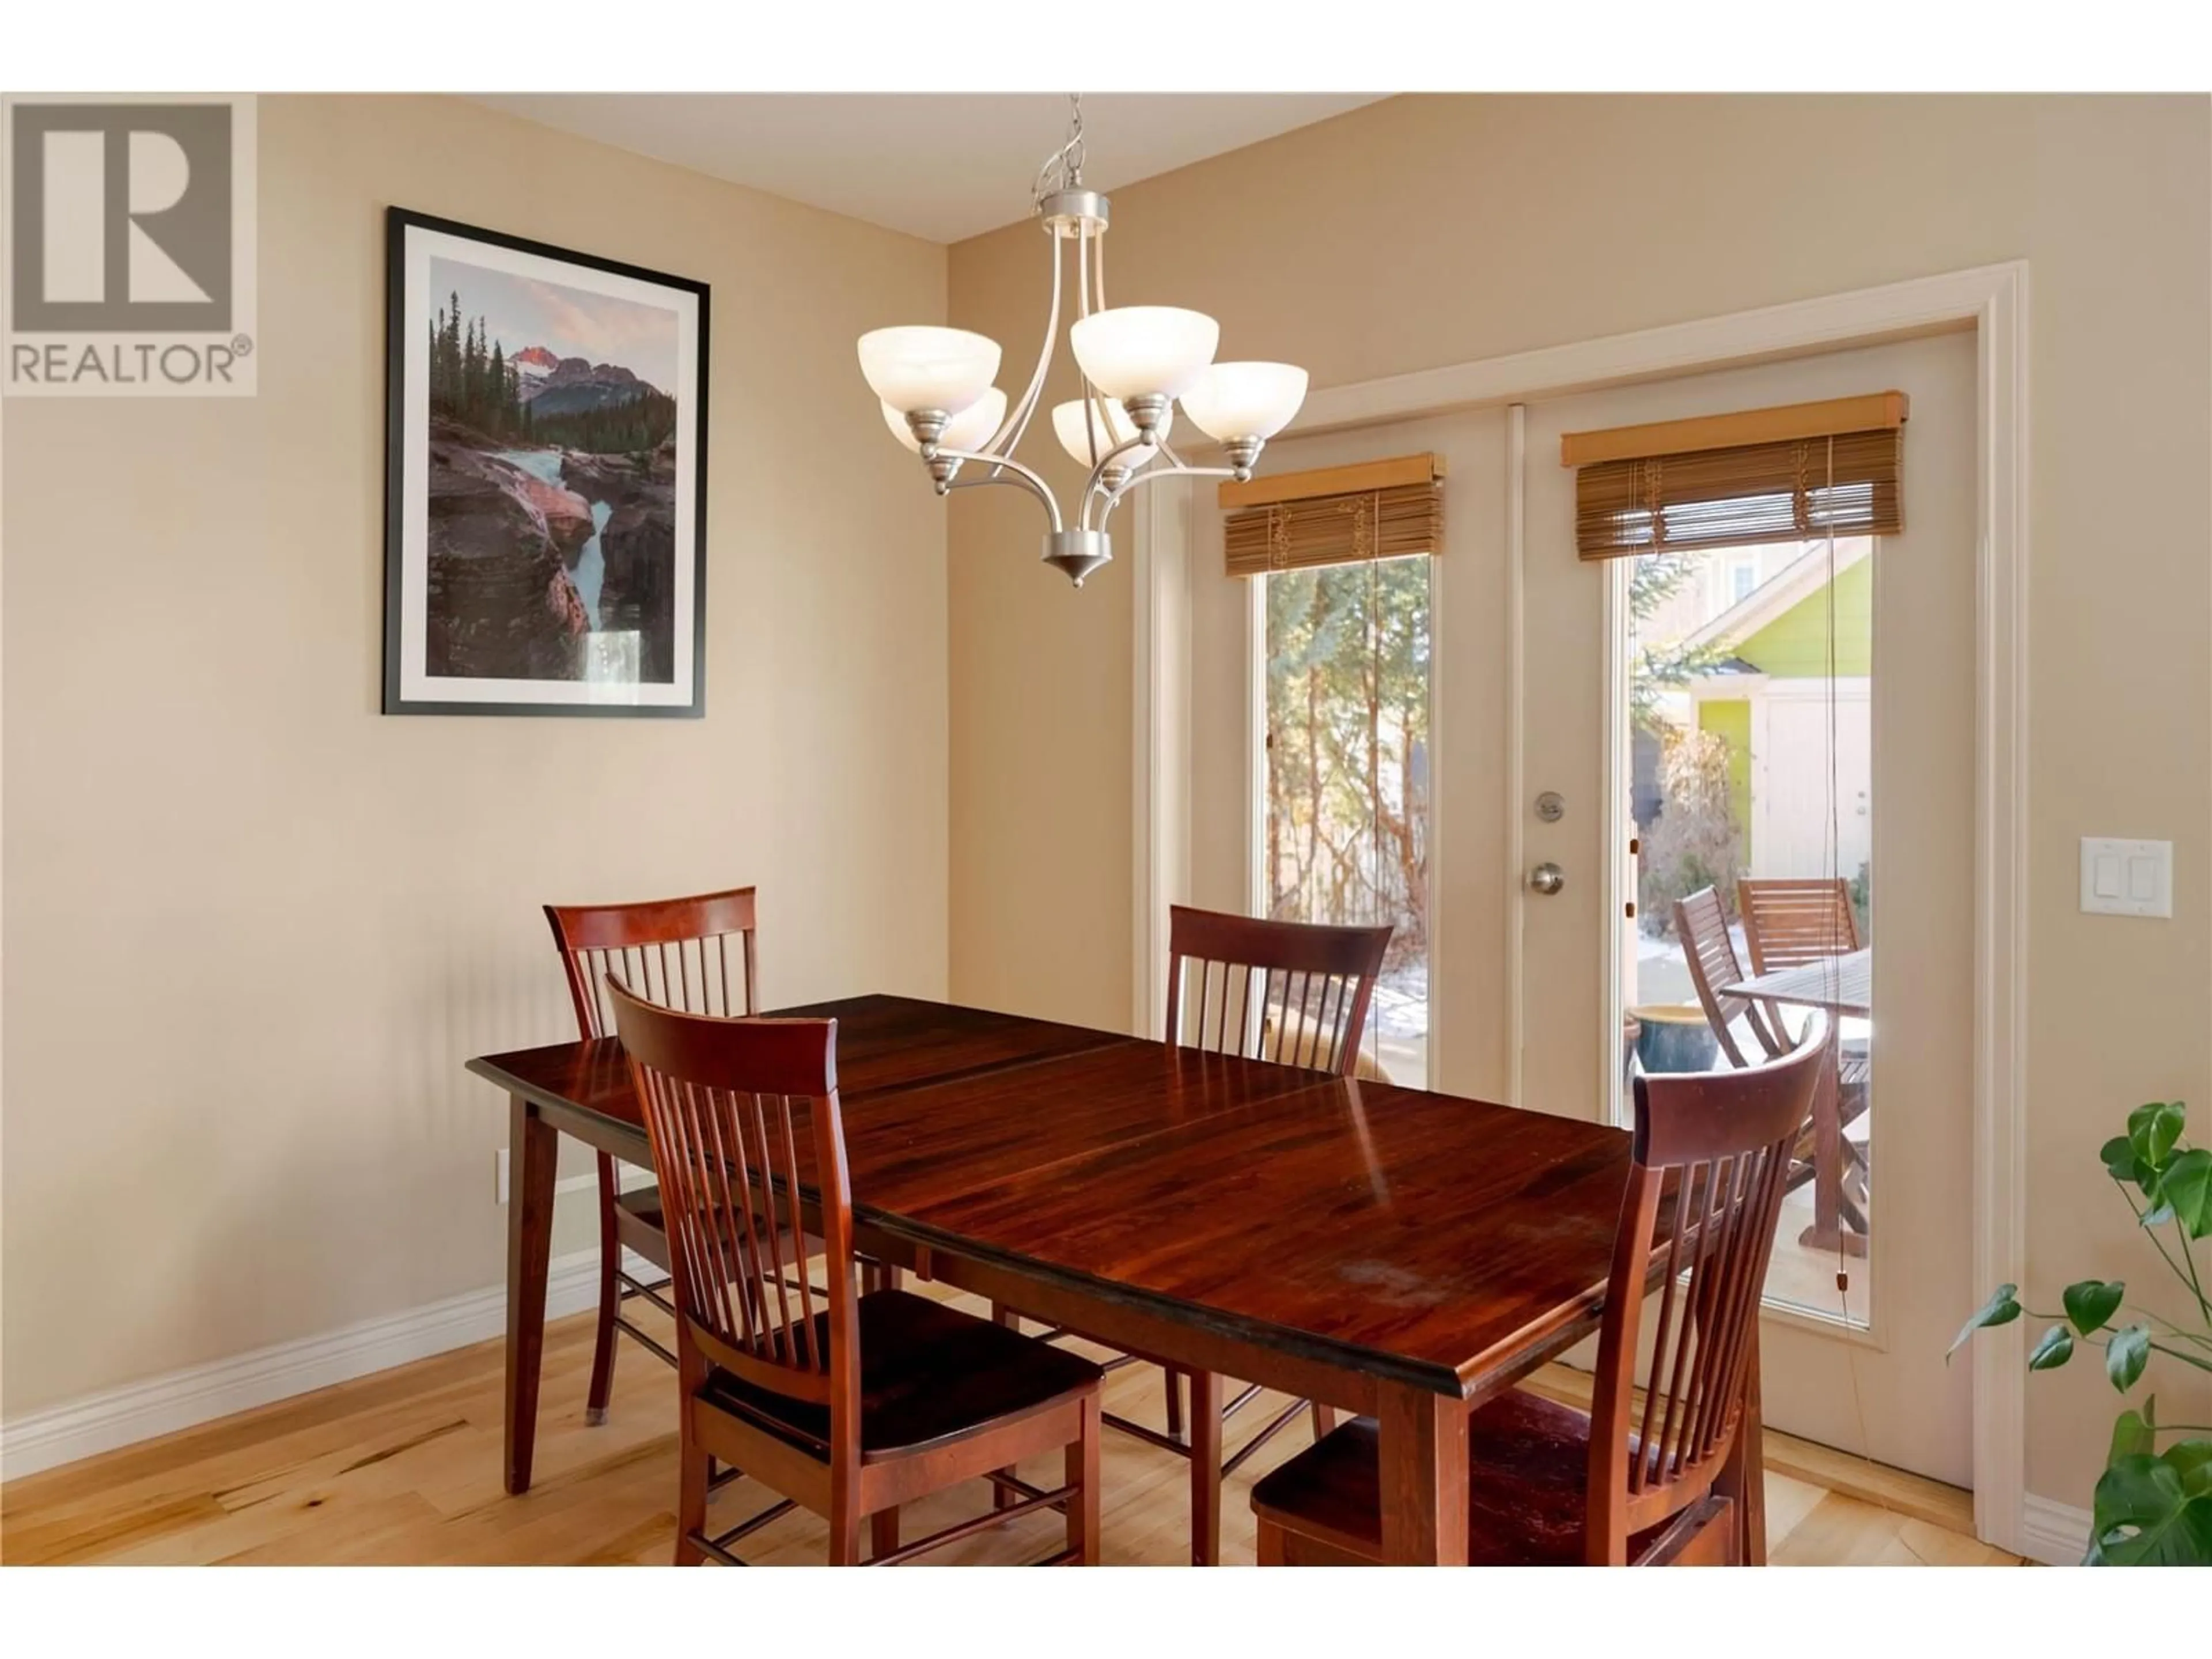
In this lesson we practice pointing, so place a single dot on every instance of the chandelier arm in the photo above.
(1092, 414)
(1022, 476)
(1114, 497)
(1096, 485)
(1141, 440)
(1094, 401)
(1017, 424)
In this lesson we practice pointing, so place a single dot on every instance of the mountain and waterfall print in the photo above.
(551, 480)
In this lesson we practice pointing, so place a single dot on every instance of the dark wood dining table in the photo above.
(1384, 1250)
(1844, 985)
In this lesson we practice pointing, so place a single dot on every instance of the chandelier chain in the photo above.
(1063, 169)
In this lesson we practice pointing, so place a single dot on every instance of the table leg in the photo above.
(1827, 1232)
(1205, 1469)
(534, 1147)
(1423, 1452)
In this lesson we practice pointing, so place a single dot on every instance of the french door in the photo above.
(1799, 711)
(1821, 702)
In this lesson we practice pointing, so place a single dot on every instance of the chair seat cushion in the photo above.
(1528, 1481)
(928, 1373)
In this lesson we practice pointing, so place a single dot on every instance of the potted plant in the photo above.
(2153, 1503)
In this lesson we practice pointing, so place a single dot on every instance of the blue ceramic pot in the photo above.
(1675, 1038)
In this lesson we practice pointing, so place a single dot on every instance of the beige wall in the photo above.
(1426, 231)
(252, 927)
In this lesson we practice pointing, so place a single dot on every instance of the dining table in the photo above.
(1843, 984)
(1387, 1251)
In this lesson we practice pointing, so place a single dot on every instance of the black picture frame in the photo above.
(410, 694)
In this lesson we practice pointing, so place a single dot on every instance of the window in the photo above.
(1752, 761)
(1344, 831)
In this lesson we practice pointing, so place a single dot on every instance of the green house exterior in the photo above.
(1729, 719)
(1794, 646)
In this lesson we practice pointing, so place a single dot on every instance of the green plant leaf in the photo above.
(2090, 1303)
(2153, 1129)
(2185, 1189)
(2126, 1354)
(2145, 1517)
(2054, 1349)
(2002, 1309)
(2121, 1163)
(2192, 1461)
(2135, 1433)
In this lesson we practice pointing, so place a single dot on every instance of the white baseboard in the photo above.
(2055, 1534)
(200, 1393)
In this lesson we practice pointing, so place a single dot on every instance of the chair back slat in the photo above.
(1789, 923)
(1709, 1169)
(743, 1118)
(1702, 926)
(692, 954)
(1300, 993)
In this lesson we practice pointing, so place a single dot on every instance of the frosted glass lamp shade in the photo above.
(1134, 351)
(970, 429)
(918, 368)
(1114, 429)
(1245, 400)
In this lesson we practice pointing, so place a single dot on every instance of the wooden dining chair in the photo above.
(1702, 926)
(1293, 994)
(690, 953)
(848, 1404)
(1658, 1471)
(1788, 923)
(694, 954)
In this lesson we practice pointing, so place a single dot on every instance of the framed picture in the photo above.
(546, 489)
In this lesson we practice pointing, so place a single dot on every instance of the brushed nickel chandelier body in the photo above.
(1136, 363)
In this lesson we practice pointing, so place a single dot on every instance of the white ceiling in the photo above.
(939, 165)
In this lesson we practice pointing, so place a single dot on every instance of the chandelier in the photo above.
(1136, 362)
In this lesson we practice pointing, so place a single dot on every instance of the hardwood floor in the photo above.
(403, 1468)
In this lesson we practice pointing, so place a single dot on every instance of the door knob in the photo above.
(1547, 878)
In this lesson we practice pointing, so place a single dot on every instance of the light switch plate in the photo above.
(2126, 877)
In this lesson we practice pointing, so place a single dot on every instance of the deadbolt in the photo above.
(1547, 878)
(1551, 806)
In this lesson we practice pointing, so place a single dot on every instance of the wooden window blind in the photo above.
(1335, 515)
(1732, 480)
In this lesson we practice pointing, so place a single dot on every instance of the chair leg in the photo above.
(697, 1469)
(883, 1533)
(603, 1345)
(1205, 1469)
(1083, 1472)
(1173, 1379)
(1268, 1545)
(1324, 1420)
(844, 1527)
